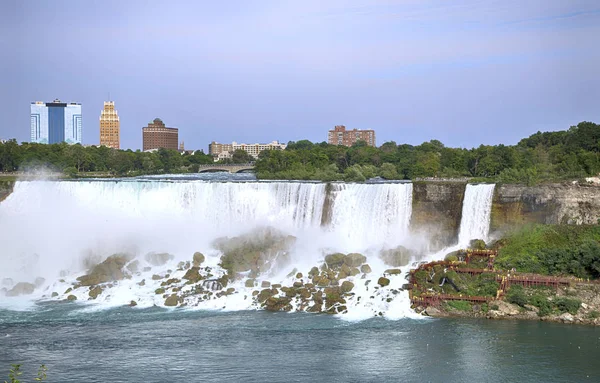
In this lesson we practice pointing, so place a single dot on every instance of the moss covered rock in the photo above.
(250, 283)
(346, 287)
(477, 244)
(383, 281)
(71, 298)
(109, 270)
(354, 259)
(95, 291)
(278, 304)
(193, 274)
(335, 260)
(255, 252)
(393, 271)
(366, 269)
(172, 300)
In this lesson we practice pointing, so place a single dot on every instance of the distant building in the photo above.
(55, 122)
(110, 126)
(223, 151)
(340, 136)
(157, 135)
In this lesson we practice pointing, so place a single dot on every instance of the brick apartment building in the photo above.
(340, 136)
(157, 135)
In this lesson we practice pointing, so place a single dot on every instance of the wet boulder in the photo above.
(392, 271)
(172, 300)
(397, 257)
(354, 259)
(95, 291)
(335, 260)
(366, 269)
(256, 252)
(383, 281)
(109, 270)
(193, 275)
(278, 304)
(346, 287)
(71, 298)
(21, 288)
(198, 259)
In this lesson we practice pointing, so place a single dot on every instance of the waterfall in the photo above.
(56, 230)
(476, 211)
(372, 214)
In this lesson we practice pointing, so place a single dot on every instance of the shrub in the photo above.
(569, 305)
(594, 314)
(516, 295)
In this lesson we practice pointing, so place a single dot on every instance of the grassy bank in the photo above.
(552, 250)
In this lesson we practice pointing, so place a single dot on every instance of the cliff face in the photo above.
(6, 187)
(550, 204)
(437, 208)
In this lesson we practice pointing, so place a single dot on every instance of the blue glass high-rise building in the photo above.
(55, 122)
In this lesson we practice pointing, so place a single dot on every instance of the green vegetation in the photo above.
(75, 159)
(548, 156)
(544, 299)
(460, 305)
(552, 249)
(15, 372)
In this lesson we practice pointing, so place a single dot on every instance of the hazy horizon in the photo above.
(462, 72)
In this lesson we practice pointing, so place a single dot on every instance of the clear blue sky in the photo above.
(463, 72)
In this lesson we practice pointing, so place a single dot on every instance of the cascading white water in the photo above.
(476, 211)
(371, 214)
(50, 227)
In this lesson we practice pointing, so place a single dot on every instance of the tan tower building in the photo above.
(110, 126)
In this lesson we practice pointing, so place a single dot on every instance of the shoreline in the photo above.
(519, 296)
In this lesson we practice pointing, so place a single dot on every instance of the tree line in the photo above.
(74, 159)
(548, 156)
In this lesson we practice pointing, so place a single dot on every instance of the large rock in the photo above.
(109, 270)
(383, 281)
(21, 288)
(477, 244)
(366, 269)
(172, 300)
(355, 259)
(505, 308)
(158, 259)
(278, 304)
(256, 252)
(198, 259)
(346, 287)
(400, 256)
(335, 260)
(193, 274)
(94, 292)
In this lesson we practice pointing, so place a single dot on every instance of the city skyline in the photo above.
(493, 73)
